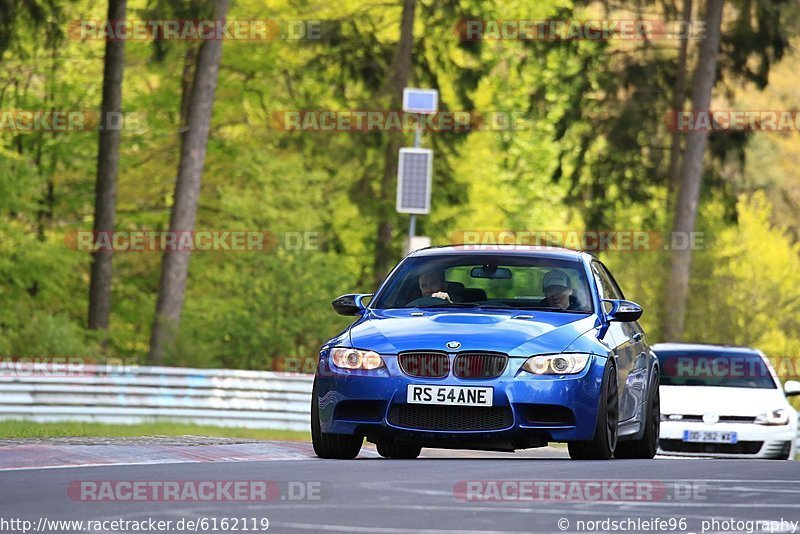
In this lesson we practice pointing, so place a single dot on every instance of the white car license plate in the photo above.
(461, 396)
(705, 436)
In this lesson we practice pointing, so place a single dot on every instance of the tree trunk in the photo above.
(677, 290)
(105, 203)
(399, 74)
(175, 266)
(189, 65)
(678, 99)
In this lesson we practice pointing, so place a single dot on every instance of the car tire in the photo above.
(398, 451)
(602, 446)
(331, 446)
(647, 446)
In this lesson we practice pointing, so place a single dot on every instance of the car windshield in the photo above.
(720, 369)
(488, 281)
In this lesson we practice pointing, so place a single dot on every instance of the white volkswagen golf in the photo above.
(724, 401)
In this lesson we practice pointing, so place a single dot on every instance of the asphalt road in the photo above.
(444, 491)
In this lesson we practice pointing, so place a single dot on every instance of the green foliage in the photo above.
(590, 151)
(747, 293)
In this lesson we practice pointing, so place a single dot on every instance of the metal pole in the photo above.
(412, 223)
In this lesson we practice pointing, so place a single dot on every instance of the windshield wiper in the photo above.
(449, 305)
(549, 308)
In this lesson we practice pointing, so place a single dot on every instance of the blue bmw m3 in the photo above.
(489, 348)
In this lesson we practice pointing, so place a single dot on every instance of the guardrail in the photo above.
(130, 395)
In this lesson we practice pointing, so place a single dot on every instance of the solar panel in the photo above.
(420, 100)
(414, 172)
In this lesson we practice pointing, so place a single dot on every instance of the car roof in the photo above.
(514, 250)
(703, 347)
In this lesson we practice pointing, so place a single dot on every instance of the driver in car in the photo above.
(557, 291)
(432, 284)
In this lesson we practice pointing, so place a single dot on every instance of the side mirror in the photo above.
(351, 304)
(791, 388)
(623, 311)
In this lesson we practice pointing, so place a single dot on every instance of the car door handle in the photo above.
(637, 336)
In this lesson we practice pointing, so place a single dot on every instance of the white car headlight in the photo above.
(773, 418)
(556, 364)
(356, 359)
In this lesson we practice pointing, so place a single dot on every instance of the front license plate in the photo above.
(462, 396)
(705, 436)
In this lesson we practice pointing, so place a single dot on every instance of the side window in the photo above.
(608, 287)
(612, 283)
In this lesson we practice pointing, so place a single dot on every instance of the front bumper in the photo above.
(753, 441)
(531, 410)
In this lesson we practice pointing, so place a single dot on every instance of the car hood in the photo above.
(517, 333)
(698, 400)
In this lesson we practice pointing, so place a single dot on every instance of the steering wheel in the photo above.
(425, 301)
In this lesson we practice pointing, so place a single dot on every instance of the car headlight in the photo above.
(556, 364)
(773, 418)
(356, 359)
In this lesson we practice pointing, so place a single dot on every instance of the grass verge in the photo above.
(28, 429)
